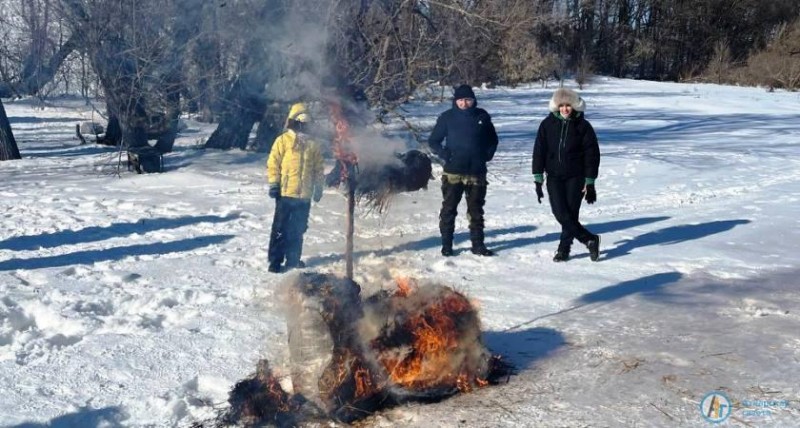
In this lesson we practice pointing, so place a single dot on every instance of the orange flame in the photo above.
(429, 362)
(404, 286)
(363, 382)
(342, 149)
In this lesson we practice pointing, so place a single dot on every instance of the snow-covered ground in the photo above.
(140, 300)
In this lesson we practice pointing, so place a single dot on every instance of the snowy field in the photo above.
(140, 300)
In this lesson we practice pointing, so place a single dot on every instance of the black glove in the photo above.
(591, 195)
(539, 192)
(317, 193)
(274, 191)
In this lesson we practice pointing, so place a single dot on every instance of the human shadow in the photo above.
(650, 286)
(100, 233)
(418, 245)
(84, 417)
(524, 347)
(600, 228)
(117, 253)
(673, 235)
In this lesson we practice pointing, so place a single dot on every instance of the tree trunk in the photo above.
(245, 100)
(238, 120)
(173, 88)
(270, 126)
(8, 145)
(113, 130)
(166, 140)
(186, 28)
(113, 135)
(233, 131)
(125, 100)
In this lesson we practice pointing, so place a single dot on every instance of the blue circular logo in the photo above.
(715, 407)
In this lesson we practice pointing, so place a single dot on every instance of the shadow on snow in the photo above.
(83, 417)
(114, 254)
(649, 286)
(14, 120)
(419, 245)
(100, 233)
(673, 235)
(600, 228)
(524, 347)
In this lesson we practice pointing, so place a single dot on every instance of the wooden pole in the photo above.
(348, 161)
(351, 206)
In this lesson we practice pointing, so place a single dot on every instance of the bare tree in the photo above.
(137, 51)
(34, 45)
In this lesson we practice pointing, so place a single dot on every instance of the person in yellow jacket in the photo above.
(295, 175)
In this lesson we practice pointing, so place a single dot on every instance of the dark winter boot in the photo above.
(295, 265)
(594, 248)
(561, 256)
(478, 247)
(274, 268)
(482, 251)
(447, 246)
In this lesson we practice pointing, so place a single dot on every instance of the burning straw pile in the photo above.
(352, 357)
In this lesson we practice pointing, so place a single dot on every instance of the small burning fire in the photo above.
(437, 332)
(259, 399)
(352, 357)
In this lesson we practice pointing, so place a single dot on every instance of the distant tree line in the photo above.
(241, 62)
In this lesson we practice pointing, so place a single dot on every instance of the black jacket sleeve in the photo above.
(491, 138)
(539, 150)
(437, 136)
(591, 152)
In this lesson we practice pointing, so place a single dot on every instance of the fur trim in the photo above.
(566, 96)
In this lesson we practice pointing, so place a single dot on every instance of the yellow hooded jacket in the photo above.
(296, 163)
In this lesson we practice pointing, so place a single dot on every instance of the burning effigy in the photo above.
(408, 171)
(352, 356)
(376, 174)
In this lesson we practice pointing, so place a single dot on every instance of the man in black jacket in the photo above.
(566, 149)
(471, 141)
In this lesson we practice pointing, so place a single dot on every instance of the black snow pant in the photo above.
(475, 190)
(565, 197)
(288, 226)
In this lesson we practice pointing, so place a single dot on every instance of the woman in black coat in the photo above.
(566, 150)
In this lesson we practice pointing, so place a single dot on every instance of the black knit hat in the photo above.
(463, 91)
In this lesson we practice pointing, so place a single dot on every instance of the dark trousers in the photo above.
(451, 197)
(288, 226)
(566, 196)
